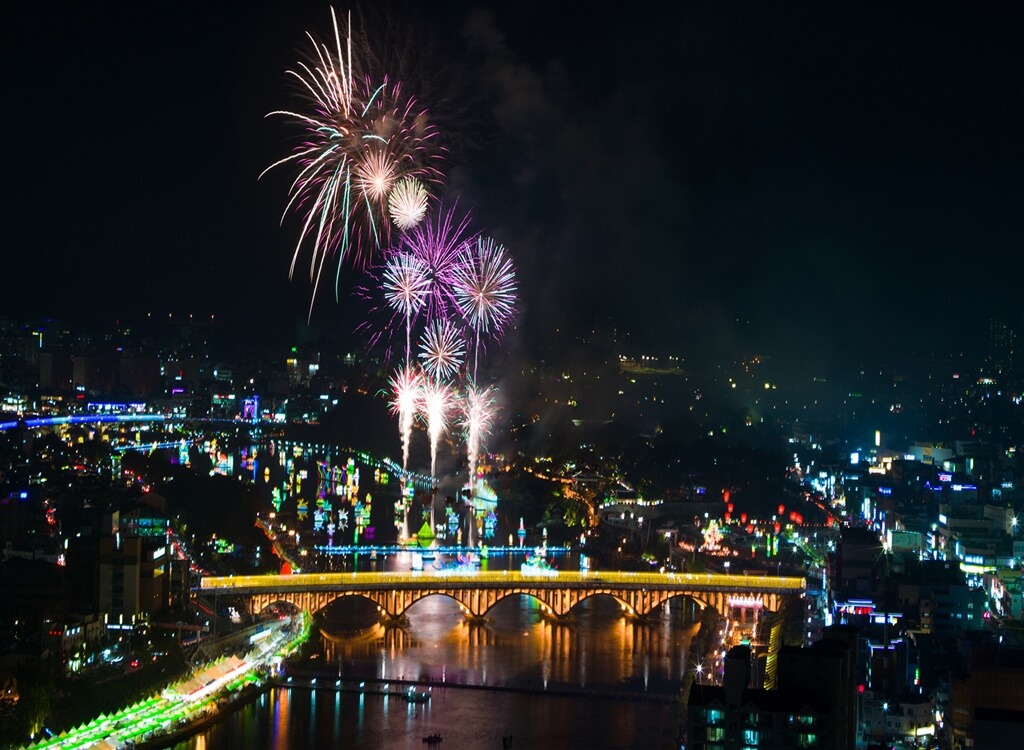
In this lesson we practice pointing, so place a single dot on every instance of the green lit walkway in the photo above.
(179, 703)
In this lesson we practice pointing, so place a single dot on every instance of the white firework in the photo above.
(484, 282)
(407, 203)
(406, 285)
(442, 349)
(436, 400)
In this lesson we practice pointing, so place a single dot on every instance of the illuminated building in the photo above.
(935, 595)
(134, 561)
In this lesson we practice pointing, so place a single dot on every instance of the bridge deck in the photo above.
(502, 579)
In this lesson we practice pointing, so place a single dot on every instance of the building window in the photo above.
(715, 715)
(715, 733)
(807, 740)
(751, 737)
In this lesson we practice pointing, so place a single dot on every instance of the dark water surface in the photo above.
(516, 653)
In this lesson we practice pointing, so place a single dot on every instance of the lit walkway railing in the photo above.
(488, 579)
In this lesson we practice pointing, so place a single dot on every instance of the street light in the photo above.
(885, 722)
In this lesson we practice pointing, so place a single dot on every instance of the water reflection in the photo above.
(599, 653)
(598, 649)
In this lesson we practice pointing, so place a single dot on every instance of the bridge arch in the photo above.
(477, 602)
(393, 594)
(260, 604)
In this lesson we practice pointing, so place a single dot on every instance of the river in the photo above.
(602, 681)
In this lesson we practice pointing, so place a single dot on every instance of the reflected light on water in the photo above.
(517, 646)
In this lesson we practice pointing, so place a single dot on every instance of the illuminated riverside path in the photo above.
(184, 702)
(476, 592)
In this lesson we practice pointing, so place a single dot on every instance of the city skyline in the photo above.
(802, 182)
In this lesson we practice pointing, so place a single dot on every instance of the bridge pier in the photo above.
(647, 617)
(558, 618)
(389, 620)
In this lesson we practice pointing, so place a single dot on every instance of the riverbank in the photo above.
(201, 723)
(186, 707)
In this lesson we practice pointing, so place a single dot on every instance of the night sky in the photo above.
(717, 179)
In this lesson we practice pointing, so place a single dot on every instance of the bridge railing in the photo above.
(216, 584)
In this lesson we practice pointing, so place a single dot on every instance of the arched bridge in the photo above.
(477, 592)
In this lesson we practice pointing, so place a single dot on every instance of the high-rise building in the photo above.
(1003, 359)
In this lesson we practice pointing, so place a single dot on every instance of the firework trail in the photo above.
(478, 413)
(406, 286)
(442, 349)
(405, 388)
(361, 136)
(484, 284)
(436, 401)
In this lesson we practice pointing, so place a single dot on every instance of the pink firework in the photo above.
(361, 135)
(484, 283)
(438, 244)
(442, 349)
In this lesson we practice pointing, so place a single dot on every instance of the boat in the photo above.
(413, 697)
(433, 739)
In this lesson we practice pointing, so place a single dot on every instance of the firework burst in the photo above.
(438, 244)
(360, 138)
(442, 349)
(407, 203)
(406, 286)
(484, 284)
(375, 174)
